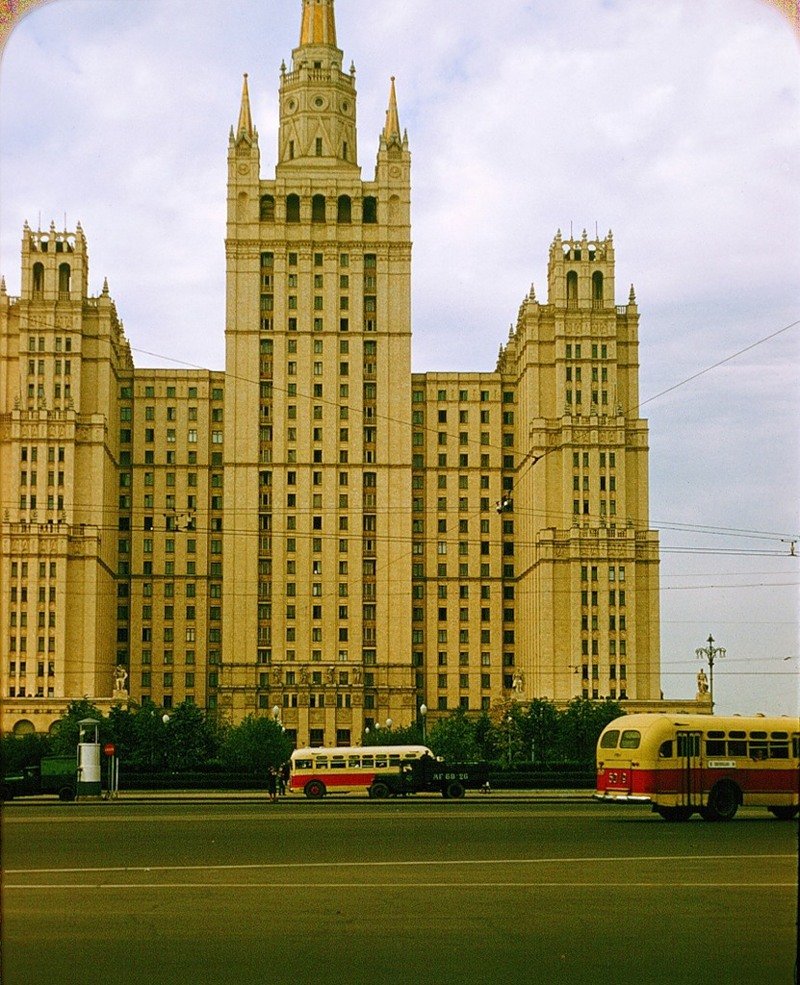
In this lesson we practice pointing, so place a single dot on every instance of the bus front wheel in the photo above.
(314, 789)
(723, 802)
(379, 790)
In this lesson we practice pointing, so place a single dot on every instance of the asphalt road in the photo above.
(485, 890)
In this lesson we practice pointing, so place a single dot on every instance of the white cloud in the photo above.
(675, 124)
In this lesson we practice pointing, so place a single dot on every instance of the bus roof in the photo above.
(646, 720)
(359, 751)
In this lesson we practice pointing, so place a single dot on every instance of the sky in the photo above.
(676, 124)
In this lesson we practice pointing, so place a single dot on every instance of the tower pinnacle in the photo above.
(319, 23)
(391, 130)
(245, 127)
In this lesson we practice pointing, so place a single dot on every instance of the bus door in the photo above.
(690, 783)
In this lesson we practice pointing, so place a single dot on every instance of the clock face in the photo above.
(319, 102)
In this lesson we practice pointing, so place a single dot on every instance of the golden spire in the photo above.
(391, 130)
(245, 120)
(319, 23)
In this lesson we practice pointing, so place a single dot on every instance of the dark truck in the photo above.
(55, 774)
(427, 775)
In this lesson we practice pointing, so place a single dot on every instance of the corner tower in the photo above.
(588, 560)
(317, 598)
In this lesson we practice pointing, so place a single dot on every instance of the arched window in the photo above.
(38, 278)
(23, 727)
(370, 209)
(267, 209)
(318, 208)
(572, 286)
(293, 208)
(597, 286)
(344, 211)
(64, 278)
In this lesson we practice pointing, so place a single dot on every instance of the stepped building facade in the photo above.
(317, 533)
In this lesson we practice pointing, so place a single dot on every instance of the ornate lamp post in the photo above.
(710, 653)
(423, 711)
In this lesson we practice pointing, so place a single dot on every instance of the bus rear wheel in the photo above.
(66, 794)
(723, 802)
(786, 813)
(314, 789)
(379, 790)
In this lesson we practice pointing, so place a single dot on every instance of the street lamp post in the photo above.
(423, 711)
(710, 653)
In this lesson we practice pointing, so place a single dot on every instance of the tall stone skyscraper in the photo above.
(317, 533)
(316, 596)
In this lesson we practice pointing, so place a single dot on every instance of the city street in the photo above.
(489, 889)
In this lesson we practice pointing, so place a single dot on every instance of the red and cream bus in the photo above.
(682, 764)
(346, 769)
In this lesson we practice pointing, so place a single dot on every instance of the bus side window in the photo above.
(737, 747)
(610, 739)
(779, 750)
(715, 747)
(758, 745)
(302, 764)
(665, 750)
(337, 763)
(367, 762)
(796, 746)
(354, 762)
(381, 762)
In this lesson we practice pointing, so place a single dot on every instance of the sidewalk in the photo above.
(258, 796)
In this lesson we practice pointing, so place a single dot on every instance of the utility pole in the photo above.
(710, 653)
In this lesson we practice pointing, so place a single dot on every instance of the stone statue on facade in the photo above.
(120, 680)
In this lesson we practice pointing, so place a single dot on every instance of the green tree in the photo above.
(17, 751)
(407, 735)
(147, 736)
(454, 739)
(122, 725)
(66, 731)
(541, 726)
(255, 745)
(189, 740)
(581, 724)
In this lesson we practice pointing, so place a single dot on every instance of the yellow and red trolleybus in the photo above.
(705, 764)
(346, 769)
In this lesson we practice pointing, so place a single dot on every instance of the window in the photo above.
(344, 210)
(267, 208)
(292, 203)
(370, 209)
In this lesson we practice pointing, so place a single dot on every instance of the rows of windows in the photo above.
(319, 212)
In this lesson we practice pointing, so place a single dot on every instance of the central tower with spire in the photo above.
(317, 581)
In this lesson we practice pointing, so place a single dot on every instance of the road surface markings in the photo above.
(414, 886)
(616, 860)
